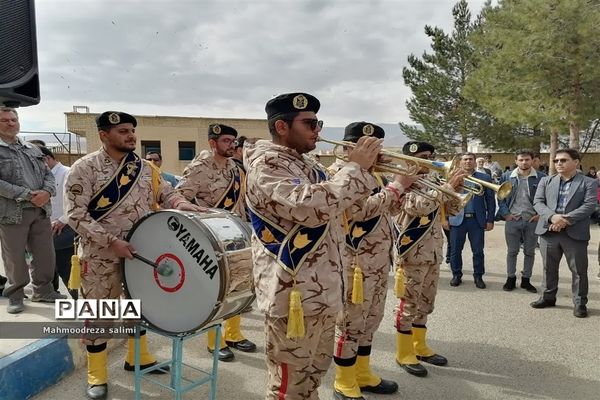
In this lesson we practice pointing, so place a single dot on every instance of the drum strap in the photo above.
(117, 188)
(234, 191)
(414, 232)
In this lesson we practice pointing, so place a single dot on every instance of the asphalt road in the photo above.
(497, 345)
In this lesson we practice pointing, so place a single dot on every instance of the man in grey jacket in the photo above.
(521, 219)
(26, 185)
(565, 203)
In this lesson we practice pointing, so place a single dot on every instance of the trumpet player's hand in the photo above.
(457, 179)
(406, 180)
(366, 151)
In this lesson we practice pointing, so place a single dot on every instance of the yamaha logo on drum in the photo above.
(192, 246)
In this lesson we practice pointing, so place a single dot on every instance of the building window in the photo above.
(187, 151)
(150, 145)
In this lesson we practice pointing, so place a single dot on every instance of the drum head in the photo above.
(185, 300)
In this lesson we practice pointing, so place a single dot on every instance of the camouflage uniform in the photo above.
(357, 324)
(210, 185)
(284, 187)
(421, 264)
(205, 182)
(101, 270)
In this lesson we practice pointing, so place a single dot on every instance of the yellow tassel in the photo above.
(357, 286)
(399, 284)
(295, 325)
(75, 276)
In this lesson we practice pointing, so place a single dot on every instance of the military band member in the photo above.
(214, 180)
(419, 254)
(297, 245)
(369, 239)
(107, 191)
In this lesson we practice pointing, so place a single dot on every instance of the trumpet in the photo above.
(478, 187)
(411, 167)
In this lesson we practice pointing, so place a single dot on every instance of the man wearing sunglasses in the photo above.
(369, 243)
(297, 213)
(214, 180)
(565, 203)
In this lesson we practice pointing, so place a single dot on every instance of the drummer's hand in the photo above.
(122, 249)
(187, 206)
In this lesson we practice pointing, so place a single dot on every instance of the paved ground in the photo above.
(498, 347)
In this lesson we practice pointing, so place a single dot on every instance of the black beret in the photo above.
(291, 103)
(216, 130)
(111, 118)
(356, 130)
(411, 148)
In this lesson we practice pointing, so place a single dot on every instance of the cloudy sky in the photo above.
(227, 58)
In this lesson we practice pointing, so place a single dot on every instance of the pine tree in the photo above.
(538, 64)
(437, 79)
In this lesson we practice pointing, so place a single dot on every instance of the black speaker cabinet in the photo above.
(19, 77)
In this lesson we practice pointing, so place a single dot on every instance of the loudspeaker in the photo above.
(19, 77)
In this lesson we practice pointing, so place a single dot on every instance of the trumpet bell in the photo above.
(504, 190)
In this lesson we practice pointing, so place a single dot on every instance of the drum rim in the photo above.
(221, 284)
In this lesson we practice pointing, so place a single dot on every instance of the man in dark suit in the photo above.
(565, 203)
(476, 218)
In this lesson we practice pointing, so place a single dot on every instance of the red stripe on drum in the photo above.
(157, 277)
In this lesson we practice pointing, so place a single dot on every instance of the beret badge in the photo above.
(368, 130)
(216, 129)
(300, 102)
(114, 118)
(413, 148)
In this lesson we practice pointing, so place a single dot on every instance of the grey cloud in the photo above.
(232, 54)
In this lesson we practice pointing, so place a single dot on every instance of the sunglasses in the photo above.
(312, 123)
(152, 159)
(560, 160)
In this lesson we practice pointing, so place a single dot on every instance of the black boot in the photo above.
(510, 284)
(97, 391)
(525, 284)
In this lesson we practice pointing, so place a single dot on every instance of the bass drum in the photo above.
(204, 272)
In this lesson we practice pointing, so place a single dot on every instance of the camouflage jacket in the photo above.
(428, 250)
(86, 177)
(284, 188)
(207, 183)
(370, 225)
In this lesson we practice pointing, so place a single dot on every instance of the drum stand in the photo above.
(176, 363)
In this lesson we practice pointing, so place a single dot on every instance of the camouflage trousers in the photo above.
(100, 279)
(357, 323)
(420, 283)
(295, 366)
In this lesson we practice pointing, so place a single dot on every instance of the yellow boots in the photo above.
(97, 357)
(406, 356)
(424, 352)
(345, 384)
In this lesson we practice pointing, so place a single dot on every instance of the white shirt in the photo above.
(60, 173)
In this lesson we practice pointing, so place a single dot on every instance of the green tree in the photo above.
(437, 79)
(538, 65)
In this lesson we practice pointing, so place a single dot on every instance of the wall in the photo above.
(169, 131)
